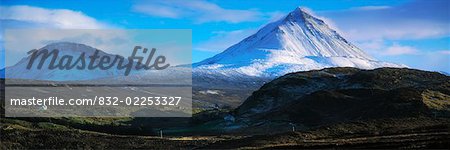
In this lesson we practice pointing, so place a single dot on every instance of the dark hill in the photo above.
(335, 95)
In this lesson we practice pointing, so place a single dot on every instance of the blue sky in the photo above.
(411, 32)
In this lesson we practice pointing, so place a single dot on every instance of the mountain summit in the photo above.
(296, 42)
(19, 70)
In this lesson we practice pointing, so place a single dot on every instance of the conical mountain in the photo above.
(297, 42)
(20, 71)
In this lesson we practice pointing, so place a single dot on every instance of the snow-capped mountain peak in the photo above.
(20, 70)
(297, 42)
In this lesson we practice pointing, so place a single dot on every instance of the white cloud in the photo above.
(373, 28)
(371, 45)
(20, 41)
(410, 21)
(434, 61)
(407, 30)
(380, 48)
(57, 18)
(372, 7)
(199, 10)
(397, 49)
(223, 39)
(157, 10)
(22, 16)
(445, 52)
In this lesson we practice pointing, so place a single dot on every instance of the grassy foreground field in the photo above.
(386, 133)
(329, 108)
